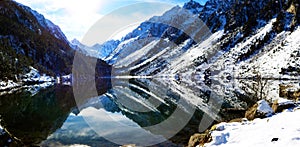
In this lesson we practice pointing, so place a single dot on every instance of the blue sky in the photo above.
(75, 17)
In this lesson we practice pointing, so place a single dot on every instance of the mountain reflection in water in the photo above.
(125, 113)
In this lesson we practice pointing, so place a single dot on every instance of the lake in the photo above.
(159, 111)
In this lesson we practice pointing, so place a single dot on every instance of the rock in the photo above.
(274, 139)
(250, 113)
(289, 92)
(199, 139)
(259, 110)
(275, 106)
(281, 104)
(213, 128)
(283, 90)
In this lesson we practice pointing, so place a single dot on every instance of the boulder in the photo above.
(291, 92)
(261, 109)
(199, 139)
(281, 104)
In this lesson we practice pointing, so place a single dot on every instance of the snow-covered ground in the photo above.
(271, 63)
(279, 130)
(8, 85)
(34, 77)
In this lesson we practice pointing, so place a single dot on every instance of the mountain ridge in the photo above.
(39, 43)
(29, 41)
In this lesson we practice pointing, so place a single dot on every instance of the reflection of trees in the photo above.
(31, 119)
(256, 88)
(259, 87)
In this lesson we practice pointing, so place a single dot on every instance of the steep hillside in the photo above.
(156, 42)
(28, 39)
(249, 36)
(262, 48)
(242, 39)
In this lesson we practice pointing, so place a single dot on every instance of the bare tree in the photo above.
(260, 86)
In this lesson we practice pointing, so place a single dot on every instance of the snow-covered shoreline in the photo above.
(281, 129)
(31, 79)
(8, 85)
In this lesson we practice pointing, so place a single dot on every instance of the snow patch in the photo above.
(34, 76)
(283, 127)
(8, 85)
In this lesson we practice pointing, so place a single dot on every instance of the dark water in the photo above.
(154, 112)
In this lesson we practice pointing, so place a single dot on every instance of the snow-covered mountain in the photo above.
(243, 39)
(159, 40)
(251, 46)
(151, 32)
(239, 31)
(100, 51)
(253, 39)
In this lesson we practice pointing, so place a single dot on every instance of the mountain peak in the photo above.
(193, 6)
(75, 42)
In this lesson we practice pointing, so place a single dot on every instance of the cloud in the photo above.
(76, 17)
(122, 20)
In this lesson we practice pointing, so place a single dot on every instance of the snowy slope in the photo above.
(45, 23)
(226, 49)
(236, 52)
(97, 51)
(167, 28)
(271, 63)
(283, 129)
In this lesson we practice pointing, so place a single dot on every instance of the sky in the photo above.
(75, 17)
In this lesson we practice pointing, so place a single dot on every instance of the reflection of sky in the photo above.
(114, 127)
(75, 17)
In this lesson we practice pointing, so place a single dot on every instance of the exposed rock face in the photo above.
(193, 6)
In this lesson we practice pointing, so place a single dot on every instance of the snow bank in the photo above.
(279, 130)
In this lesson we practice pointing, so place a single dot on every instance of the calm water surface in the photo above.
(139, 111)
